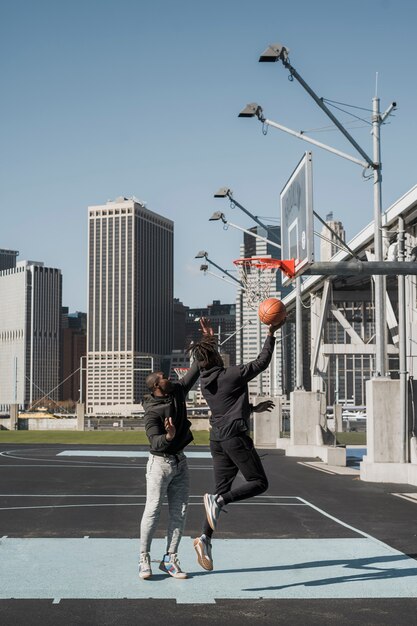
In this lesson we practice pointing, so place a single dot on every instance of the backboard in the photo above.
(297, 239)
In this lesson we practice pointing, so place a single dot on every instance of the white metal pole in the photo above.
(402, 347)
(380, 323)
(298, 335)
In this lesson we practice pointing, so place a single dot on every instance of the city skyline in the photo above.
(110, 99)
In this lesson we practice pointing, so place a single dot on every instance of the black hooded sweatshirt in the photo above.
(226, 392)
(158, 408)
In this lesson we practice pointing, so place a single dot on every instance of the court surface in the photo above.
(316, 548)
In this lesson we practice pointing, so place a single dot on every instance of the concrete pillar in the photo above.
(267, 425)
(305, 413)
(14, 417)
(382, 462)
(338, 420)
(80, 415)
(383, 436)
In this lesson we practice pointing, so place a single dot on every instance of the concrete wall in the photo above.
(34, 423)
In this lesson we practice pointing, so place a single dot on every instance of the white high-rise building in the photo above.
(30, 323)
(330, 245)
(251, 336)
(130, 302)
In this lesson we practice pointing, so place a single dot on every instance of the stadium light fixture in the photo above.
(226, 192)
(219, 216)
(203, 254)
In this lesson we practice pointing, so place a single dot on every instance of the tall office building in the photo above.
(30, 322)
(251, 333)
(330, 245)
(73, 342)
(8, 259)
(223, 321)
(130, 302)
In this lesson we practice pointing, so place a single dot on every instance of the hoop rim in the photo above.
(265, 263)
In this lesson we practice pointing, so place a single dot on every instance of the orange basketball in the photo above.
(272, 311)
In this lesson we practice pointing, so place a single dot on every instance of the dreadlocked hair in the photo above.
(205, 352)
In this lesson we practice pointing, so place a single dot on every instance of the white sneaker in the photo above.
(171, 566)
(145, 566)
(203, 549)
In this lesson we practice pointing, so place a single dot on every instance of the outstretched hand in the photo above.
(205, 325)
(169, 428)
(273, 328)
(267, 405)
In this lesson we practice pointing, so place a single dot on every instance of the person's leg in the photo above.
(157, 478)
(178, 493)
(242, 453)
(224, 474)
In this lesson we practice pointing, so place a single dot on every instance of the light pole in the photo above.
(204, 255)
(82, 369)
(278, 52)
(218, 215)
(225, 192)
(205, 268)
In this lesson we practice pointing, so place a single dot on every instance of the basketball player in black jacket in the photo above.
(226, 392)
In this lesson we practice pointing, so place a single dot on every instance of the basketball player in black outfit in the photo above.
(226, 392)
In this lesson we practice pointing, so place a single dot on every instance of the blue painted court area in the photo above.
(354, 456)
(271, 569)
(136, 454)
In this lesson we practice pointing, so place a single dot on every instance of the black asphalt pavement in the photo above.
(43, 495)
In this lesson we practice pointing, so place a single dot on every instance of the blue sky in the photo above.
(102, 98)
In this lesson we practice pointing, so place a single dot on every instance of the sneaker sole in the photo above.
(203, 561)
(210, 520)
(145, 576)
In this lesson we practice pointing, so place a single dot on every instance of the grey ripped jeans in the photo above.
(165, 476)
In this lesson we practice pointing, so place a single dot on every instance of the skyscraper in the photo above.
(329, 244)
(251, 333)
(8, 259)
(130, 301)
(30, 321)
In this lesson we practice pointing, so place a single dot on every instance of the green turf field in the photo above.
(123, 438)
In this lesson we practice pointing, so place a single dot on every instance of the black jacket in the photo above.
(226, 392)
(158, 408)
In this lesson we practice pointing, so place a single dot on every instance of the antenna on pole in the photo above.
(376, 84)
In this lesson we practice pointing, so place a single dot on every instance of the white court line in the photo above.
(410, 497)
(319, 469)
(114, 495)
(82, 506)
(356, 530)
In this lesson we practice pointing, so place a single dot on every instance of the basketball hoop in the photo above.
(181, 371)
(257, 273)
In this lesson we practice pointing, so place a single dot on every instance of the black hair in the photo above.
(151, 379)
(205, 352)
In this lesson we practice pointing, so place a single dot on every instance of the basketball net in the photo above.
(257, 276)
(181, 371)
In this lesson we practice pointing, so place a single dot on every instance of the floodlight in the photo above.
(201, 255)
(223, 192)
(274, 52)
(217, 215)
(251, 110)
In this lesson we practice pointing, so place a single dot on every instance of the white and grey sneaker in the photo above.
(212, 509)
(203, 550)
(145, 566)
(171, 565)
